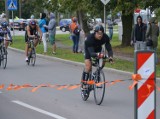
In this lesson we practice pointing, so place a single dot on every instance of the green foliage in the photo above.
(2, 6)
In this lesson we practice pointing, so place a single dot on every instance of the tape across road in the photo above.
(135, 77)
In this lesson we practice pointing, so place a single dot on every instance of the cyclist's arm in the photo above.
(92, 52)
(109, 50)
(9, 35)
(39, 31)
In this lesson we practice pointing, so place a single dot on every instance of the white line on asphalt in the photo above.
(0, 92)
(38, 110)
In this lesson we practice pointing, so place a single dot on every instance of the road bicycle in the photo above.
(31, 51)
(3, 55)
(97, 82)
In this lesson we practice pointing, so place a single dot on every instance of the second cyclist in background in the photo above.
(5, 34)
(32, 30)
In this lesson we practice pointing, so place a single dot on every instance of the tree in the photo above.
(2, 6)
(127, 7)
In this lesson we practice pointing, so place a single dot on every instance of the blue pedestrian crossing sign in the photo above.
(12, 4)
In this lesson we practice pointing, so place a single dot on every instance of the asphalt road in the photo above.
(49, 103)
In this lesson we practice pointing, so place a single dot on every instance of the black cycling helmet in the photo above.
(4, 24)
(32, 22)
(99, 28)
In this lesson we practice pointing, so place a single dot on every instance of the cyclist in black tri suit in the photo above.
(32, 30)
(93, 47)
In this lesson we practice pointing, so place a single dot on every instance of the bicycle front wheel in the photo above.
(33, 57)
(4, 58)
(99, 87)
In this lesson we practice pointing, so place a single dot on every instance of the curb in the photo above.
(72, 62)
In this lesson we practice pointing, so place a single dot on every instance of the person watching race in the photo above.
(5, 34)
(32, 31)
(93, 48)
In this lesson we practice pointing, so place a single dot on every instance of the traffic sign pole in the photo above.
(105, 18)
(12, 5)
(105, 2)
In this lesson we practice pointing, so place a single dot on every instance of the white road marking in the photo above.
(0, 92)
(38, 110)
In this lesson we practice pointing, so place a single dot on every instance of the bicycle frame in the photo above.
(32, 53)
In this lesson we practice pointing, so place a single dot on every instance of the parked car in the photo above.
(64, 24)
(19, 24)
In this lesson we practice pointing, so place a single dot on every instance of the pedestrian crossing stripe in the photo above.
(12, 5)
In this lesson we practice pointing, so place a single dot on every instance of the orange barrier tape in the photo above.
(2, 86)
(73, 87)
(61, 87)
(133, 85)
(10, 87)
(116, 81)
(35, 89)
(136, 77)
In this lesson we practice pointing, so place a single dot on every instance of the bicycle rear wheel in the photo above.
(33, 57)
(4, 57)
(99, 87)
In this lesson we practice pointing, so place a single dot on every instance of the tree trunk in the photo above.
(127, 28)
(83, 21)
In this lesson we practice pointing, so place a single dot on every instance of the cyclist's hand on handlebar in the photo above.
(11, 42)
(32, 36)
(100, 55)
(111, 60)
(40, 38)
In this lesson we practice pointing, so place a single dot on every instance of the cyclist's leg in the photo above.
(36, 42)
(6, 44)
(88, 66)
(26, 49)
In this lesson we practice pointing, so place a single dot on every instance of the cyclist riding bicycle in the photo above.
(93, 47)
(5, 34)
(32, 31)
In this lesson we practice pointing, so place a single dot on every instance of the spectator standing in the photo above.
(110, 28)
(153, 33)
(52, 31)
(81, 41)
(138, 34)
(3, 18)
(43, 22)
(32, 17)
(75, 32)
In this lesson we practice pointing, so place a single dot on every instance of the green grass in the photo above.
(66, 53)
